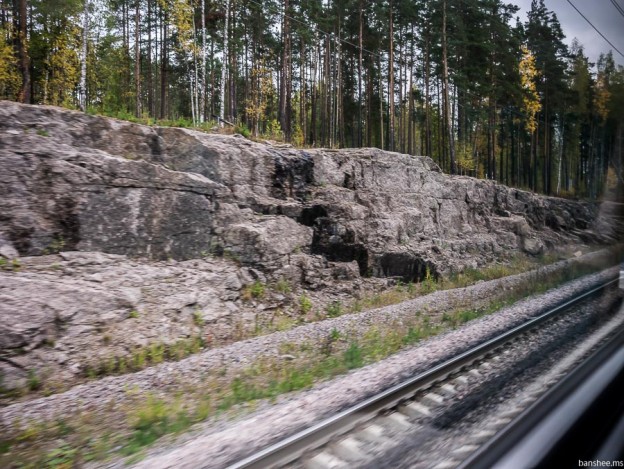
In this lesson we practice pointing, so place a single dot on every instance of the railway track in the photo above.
(339, 440)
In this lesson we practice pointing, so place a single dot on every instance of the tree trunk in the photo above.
(449, 128)
(428, 149)
(410, 104)
(202, 76)
(137, 57)
(150, 81)
(302, 91)
(360, 39)
(24, 58)
(82, 88)
(163, 66)
(285, 82)
(391, 84)
(225, 58)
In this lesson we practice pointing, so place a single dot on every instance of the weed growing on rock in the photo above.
(256, 291)
(133, 314)
(154, 419)
(353, 356)
(34, 381)
(231, 255)
(63, 456)
(13, 264)
(429, 283)
(334, 309)
(198, 319)
(156, 353)
(283, 286)
(305, 304)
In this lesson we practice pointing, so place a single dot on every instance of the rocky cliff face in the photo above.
(72, 182)
(76, 182)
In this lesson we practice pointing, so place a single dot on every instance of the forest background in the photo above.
(463, 81)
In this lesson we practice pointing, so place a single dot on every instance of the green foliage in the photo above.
(10, 78)
(429, 284)
(134, 314)
(63, 456)
(154, 419)
(13, 264)
(242, 130)
(34, 381)
(334, 309)
(283, 286)
(156, 353)
(274, 130)
(353, 356)
(305, 304)
(257, 289)
(198, 318)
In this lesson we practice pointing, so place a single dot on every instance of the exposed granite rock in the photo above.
(76, 182)
(104, 193)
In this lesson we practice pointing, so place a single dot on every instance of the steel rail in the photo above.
(291, 448)
(579, 419)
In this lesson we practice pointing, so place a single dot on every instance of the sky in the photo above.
(601, 13)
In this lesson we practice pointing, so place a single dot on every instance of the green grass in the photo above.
(305, 304)
(256, 290)
(334, 309)
(198, 319)
(282, 286)
(142, 357)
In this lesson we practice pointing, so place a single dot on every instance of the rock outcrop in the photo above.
(77, 182)
(104, 194)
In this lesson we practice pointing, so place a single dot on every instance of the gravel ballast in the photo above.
(216, 447)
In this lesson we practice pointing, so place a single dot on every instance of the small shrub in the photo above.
(134, 314)
(353, 356)
(152, 420)
(43, 133)
(413, 335)
(138, 359)
(62, 456)
(257, 289)
(231, 255)
(34, 382)
(282, 286)
(305, 304)
(156, 353)
(243, 130)
(428, 285)
(91, 372)
(198, 319)
(122, 367)
(334, 309)
(110, 366)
